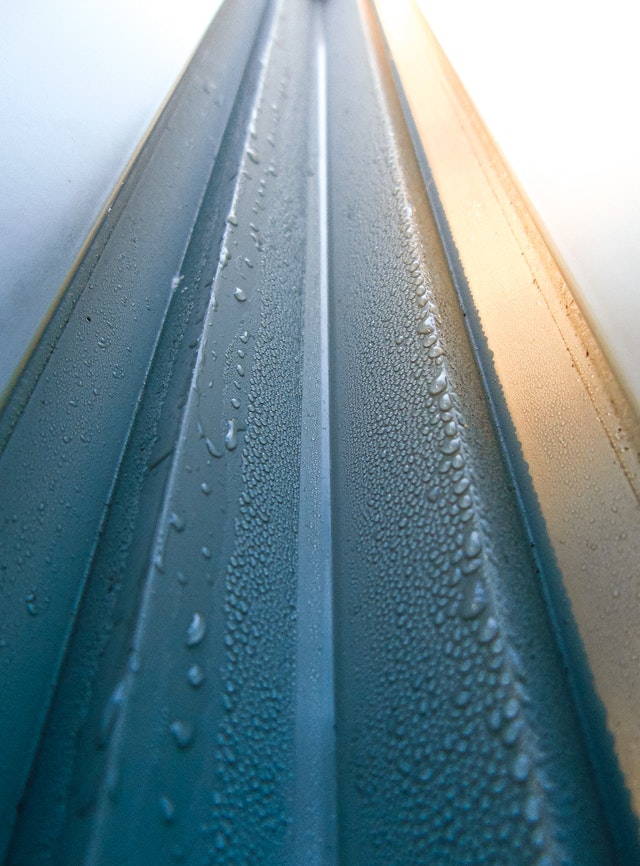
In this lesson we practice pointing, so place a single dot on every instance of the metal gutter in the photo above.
(285, 604)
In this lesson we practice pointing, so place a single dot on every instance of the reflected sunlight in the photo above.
(556, 85)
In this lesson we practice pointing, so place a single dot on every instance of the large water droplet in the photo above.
(197, 629)
(532, 810)
(426, 326)
(474, 600)
(30, 601)
(489, 630)
(183, 733)
(511, 709)
(195, 675)
(521, 767)
(439, 384)
(473, 544)
(231, 436)
(167, 809)
(450, 446)
(211, 448)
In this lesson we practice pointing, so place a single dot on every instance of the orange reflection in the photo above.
(574, 426)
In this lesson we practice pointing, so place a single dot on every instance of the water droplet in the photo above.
(521, 767)
(240, 369)
(167, 809)
(31, 601)
(458, 461)
(532, 810)
(183, 733)
(232, 219)
(206, 488)
(231, 436)
(463, 698)
(489, 630)
(196, 630)
(511, 733)
(474, 600)
(512, 708)
(450, 446)
(176, 521)
(244, 336)
(473, 544)
(175, 282)
(195, 675)
(439, 384)
(253, 156)
(211, 448)
(235, 402)
(471, 565)
(240, 294)
(426, 326)
(206, 552)
(495, 720)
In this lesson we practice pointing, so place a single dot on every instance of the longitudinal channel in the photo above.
(315, 810)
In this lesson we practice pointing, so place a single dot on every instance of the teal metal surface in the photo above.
(268, 595)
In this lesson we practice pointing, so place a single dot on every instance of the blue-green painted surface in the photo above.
(268, 596)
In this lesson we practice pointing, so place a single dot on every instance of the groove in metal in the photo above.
(314, 820)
